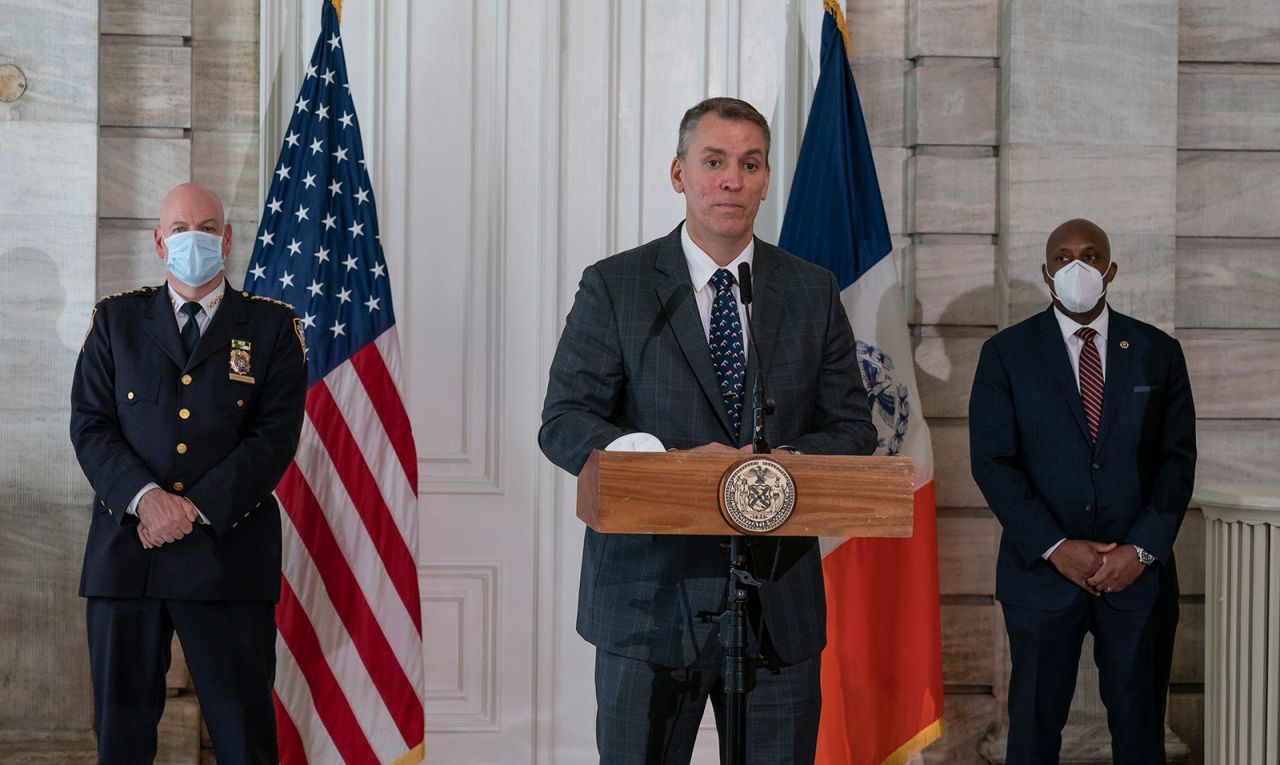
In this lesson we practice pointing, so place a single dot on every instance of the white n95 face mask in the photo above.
(1078, 286)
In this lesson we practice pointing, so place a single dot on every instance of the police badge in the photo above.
(241, 363)
(757, 496)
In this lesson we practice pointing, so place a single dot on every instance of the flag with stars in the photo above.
(349, 663)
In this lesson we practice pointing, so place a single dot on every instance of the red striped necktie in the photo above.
(1090, 380)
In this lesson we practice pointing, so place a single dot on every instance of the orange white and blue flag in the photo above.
(882, 668)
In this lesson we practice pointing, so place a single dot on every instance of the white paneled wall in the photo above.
(511, 144)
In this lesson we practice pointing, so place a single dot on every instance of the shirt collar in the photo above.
(702, 267)
(208, 302)
(1070, 326)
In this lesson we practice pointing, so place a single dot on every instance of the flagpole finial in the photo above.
(832, 7)
(337, 7)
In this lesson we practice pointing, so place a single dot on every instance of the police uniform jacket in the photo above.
(222, 437)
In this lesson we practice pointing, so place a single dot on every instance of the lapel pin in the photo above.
(1124, 343)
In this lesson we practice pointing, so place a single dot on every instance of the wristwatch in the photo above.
(1144, 557)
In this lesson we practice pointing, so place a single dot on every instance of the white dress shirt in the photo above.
(701, 269)
(1075, 344)
(208, 307)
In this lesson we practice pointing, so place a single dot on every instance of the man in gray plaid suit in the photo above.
(652, 357)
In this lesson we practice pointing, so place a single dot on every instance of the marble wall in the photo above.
(179, 102)
(1227, 254)
(1158, 121)
(125, 98)
(48, 149)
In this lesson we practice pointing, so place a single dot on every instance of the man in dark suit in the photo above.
(1082, 438)
(186, 407)
(652, 357)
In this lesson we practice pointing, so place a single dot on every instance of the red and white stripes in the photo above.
(349, 675)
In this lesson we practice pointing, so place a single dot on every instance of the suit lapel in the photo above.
(223, 325)
(1116, 381)
(1054, 352)
(163, 327)
(675, 293)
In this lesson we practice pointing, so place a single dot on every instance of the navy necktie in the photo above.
(728, 354)
(1090, 380)
(190, 330)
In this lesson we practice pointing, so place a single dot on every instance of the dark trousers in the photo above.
(1132, 650)
(647, 714)
(230, 650)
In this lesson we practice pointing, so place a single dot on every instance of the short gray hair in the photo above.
(725, 108)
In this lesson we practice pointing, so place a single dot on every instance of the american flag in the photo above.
(349, 664)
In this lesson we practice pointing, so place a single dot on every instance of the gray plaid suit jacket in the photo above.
(634, 358)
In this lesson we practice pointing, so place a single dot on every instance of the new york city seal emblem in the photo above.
(757, 496)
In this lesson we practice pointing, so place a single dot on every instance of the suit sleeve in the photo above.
(996, 461)
(1171, 485)
(114, 470)
(842, 417)
(587, 379)
(267, 444)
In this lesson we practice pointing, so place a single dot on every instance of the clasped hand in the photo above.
(1097, 567)
(163, 518)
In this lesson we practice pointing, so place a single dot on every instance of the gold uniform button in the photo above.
(240, 402)
(178, 486)
(186, 379)
(130, 395)
(109, 511)
(182, 448)
(237, 523)
(184, 413)
(246, 515)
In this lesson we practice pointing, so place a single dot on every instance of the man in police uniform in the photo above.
(187, 403)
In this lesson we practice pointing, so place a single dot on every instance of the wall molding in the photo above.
(469, 592)
(475, 467)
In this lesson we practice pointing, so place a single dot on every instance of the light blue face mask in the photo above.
(195, 257)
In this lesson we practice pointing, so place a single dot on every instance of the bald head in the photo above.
(1077, 229)
(1084, 241)
(190, 207)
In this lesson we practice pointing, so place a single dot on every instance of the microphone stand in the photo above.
(733, 622)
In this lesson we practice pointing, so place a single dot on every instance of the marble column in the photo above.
(1089, 108)
(1242, 623)
(1088, 128)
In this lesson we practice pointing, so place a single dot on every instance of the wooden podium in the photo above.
(679, 493)
(685, 493)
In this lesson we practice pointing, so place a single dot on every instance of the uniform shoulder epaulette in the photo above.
(94, 313)
(138, 291)
(265, 299)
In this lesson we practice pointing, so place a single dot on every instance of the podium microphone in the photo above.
(762, 406)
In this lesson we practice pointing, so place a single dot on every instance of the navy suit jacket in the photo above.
(136, 397)
(1032, 458)
(634, 358)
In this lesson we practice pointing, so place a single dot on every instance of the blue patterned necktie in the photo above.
(728, 354)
